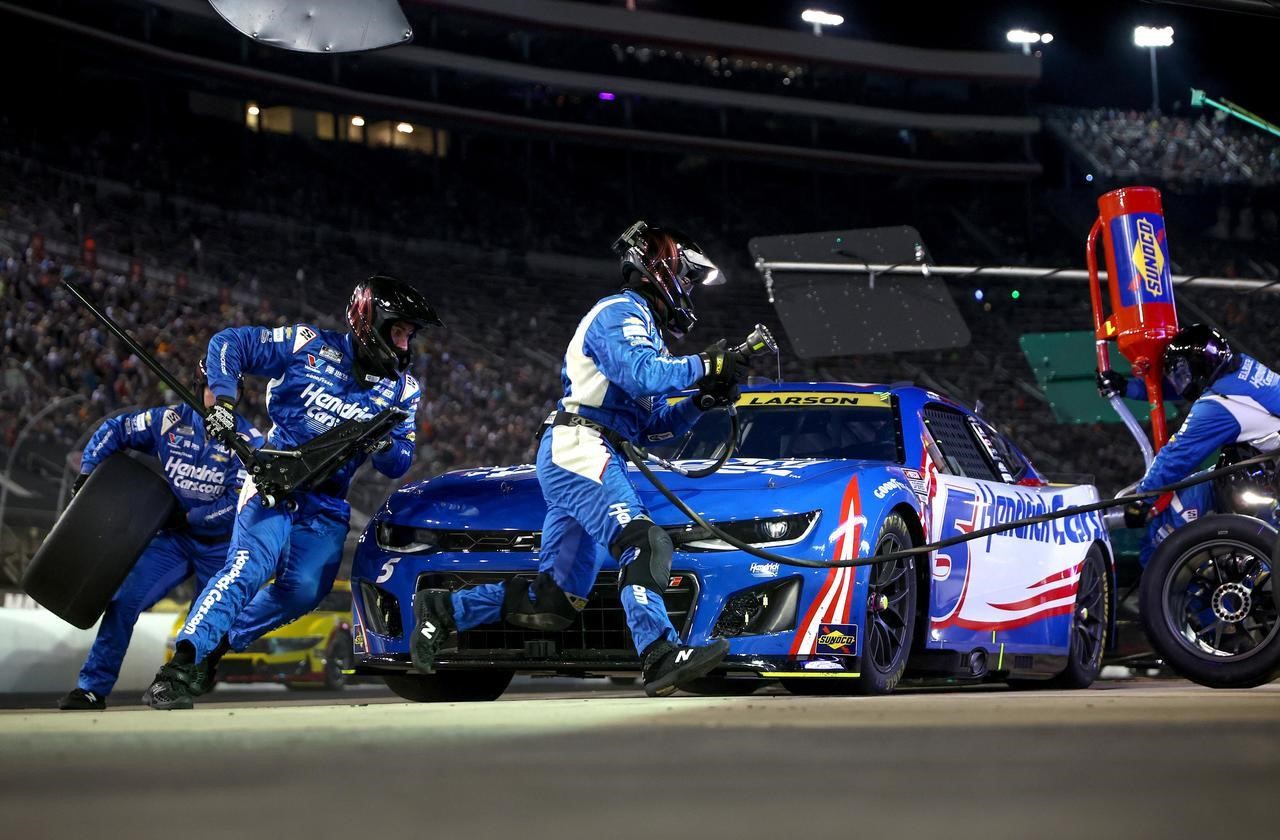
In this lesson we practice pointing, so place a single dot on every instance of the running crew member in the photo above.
(319, 378)
(1235, 400)
(616, 371)
(205, 478)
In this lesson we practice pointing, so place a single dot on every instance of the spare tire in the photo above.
(1209, 602)
(98, 538)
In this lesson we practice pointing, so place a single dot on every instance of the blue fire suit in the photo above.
(1239, 407)
(616, 371)
(313, 388)
(205, 478)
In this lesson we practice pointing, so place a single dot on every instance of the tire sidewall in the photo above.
(1258, 669)
(334, 679)
(1076, 675)
(873, 680)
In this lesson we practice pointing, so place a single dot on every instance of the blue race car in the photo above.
(822, 471)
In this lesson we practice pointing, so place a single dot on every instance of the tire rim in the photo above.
(1219, 601)
(1092, 605)
(887, 621)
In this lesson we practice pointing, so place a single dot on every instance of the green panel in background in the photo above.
(1064, 367)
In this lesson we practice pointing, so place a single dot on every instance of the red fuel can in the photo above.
(1143, 318)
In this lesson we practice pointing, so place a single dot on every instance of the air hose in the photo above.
(637, 458)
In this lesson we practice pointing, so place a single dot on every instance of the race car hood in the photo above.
(499, 498)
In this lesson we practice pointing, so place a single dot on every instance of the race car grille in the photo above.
(490, 540)
(600, 627)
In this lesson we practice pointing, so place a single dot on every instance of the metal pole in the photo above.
(13, 453)
(1155, 83)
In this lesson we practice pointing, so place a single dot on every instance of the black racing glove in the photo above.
(717, 395)
(1111, 384)
(220, 421)
(723, 366)
(376, 446)
(78, 483)
(1136, 514)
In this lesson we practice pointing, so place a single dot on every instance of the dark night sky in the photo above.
(1092, 60)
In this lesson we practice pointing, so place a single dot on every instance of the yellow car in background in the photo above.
(313, 651)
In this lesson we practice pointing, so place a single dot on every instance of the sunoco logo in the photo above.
(837, 639)
(1148, 258)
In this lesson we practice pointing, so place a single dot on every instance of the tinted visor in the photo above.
(1180, 376)
(697, 270)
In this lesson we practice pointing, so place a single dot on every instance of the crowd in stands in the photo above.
(1209, 148)
(280, 237)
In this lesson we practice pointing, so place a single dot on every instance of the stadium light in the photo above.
(1026, 38)
(358, 122)
(820, 19)
(404, 128)
(254, 110)
(1151, 38)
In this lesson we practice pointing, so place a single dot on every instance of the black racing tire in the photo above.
(1090, 619)
(721, 686)
(1209, 602)
(890, 623)
(339, 657)
(450, 686)
(95, 543)
(891, 613)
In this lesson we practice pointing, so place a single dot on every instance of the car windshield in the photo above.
(795, 431)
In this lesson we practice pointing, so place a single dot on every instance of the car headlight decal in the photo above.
(406, 539)
(770, 532)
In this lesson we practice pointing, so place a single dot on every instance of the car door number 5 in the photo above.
(388, 569)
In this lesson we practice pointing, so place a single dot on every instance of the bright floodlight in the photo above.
(821, 18)
(404, 128)
(1046, 38)
(1150, 36)
(1022, 36)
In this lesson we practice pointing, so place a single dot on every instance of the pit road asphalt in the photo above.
(1127, 758)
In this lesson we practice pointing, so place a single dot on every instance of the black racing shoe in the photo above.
(667, 666)
(79, 700)
(206, 677)
(172, 687)
(433, 612)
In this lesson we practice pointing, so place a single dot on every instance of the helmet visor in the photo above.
(697, 270)
(1180, 376)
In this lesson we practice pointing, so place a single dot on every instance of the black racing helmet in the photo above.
(376, 304)
(1195, 358)
(669, 264)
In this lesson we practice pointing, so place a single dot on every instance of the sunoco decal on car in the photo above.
(837, 638)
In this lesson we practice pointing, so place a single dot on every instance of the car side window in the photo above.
(958, 441)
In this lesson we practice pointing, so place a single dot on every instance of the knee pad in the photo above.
(543, 606)
(649, 565)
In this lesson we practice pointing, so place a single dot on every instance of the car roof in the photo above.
(898, 389)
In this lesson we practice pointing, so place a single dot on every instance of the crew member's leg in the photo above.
(304, 577)
(258, 540)
(162, 566)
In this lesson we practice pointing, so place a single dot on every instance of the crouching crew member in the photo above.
(616, 373)
(205, 478)
(319, 378)
(1235, 401)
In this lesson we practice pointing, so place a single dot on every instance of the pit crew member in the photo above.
(616, 372)
(205, 478)
(1235, 400)
(319, 378)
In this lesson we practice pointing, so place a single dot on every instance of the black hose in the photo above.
(1118, 501)
(731, 443)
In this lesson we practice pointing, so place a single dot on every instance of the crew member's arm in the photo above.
(1207, 427)
(261, 351)
(393, 461)
(217, 517)
(136, 430)
(619, 342)
(671, 420)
